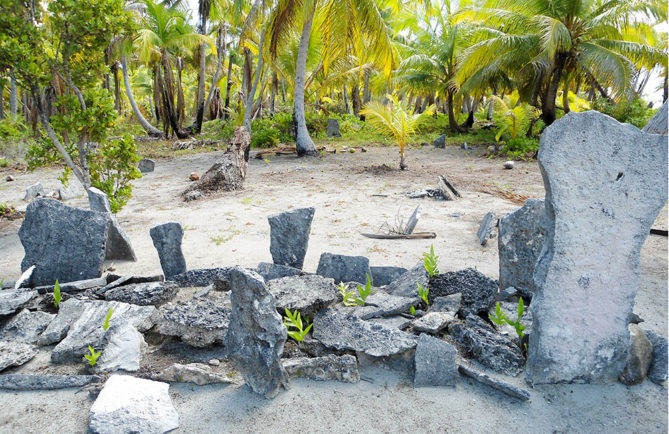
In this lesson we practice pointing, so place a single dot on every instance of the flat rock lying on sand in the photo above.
(434, 363)
(144, 294)
(14, 353)
(380, 304)
(328, 368)
(478, 291)
(502, 386)
(306, 294)
(196, 373)
(271, 271)
(343, 268)
(44, 382)
(26, 326)
(13, 300)
(198, 322)
(133, 405)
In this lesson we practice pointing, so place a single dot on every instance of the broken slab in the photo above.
(306, 294)
(146, 165)
(657, 373)
(118, 243)
(64, 243)
(405, 285)
(26, 326)
(79, 285)
(448, 303)
(598, 220)
(45, 382)
(167, 241)
(133, 405)
(639, 357)
(329, 368)
(434, 363)
(289, 236)
(219, 277)
(271, 271)
(502, 386)
(13, 300)
(13, 353)
(198, 322)
(413, 221)
(33, 192)
(433, 322)
(344, 268)
(394, 322)
(380, 304)
(196, 373)
(485, 229)
(144, 294)
(123, 349)
(478, 291)
(384, 275)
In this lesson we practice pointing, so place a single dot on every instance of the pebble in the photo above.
(9, 178)
(508, 164)
(214, 362)
(194, 176)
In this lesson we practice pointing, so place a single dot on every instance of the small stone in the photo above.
(449, 303)
(382, 276)
(433, 322)
(144, 294)
(307, 294)
(198, 322)
(33, 192)
(9, 178)
(658, 368)
(14, 353)
(194, 176)
(329, 368)
(146, 165)
(405, 285)
(271, 271)
(478, 291)
(639, 357)
(465, 146)
(13, 300)
(26, 326)
(70, 192)
(506, 294)
(344, 268)
(440, 142)
(502, 386)
(434, 363)
(485, 229)
(413, 220)
(167, 240)
(509, 165)
(289, 236)
(214, 362)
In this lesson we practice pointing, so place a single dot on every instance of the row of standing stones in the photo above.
(574, 255)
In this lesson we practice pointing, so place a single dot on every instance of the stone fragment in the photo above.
(123, 349)
(194, 176)
(502, 386)
(658, 368)
(146, 165)
(114, 281)
(256, 334)
(64, 243)
(307, 293)
(196, 373)
(79, 285)
(485, 229)
(413, 221)
(329, 368)
(478, 291)
(658, 123)
(33, 192)
(10, 178)
(507, 293)
(133, 405)
(440, 142)
(521, 237)
(167, 240)
(393, 322)
(639, 357)
(13, 353)
(26, 326)
(144, 294)
(342, 331)
(44, 382)
(219, 277)
(24, 280)
(333, 128)
(508, 165)
(289, 236)
(71, 191)
(198, 322)
(380, 304)
(479, 340)
(433, 322)
(382, 276)
(118, 244)
(13, 300)
(510, 309)
(344, 268)
(434, 363)
(274, 271)
(449, 303)
(598, 220)
(405, 285)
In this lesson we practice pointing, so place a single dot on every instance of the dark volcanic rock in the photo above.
(485, 229)
(198, 322)
(329, 368)
(13, 300)
(289, 236)
(118, 243)
(219, 277)
(344, 268)
(639, 357)
(14, 353)
(304, 293)
(495, 383)
(434, 363)
(274, 271)
(382, 276)
(26, 326)
(478, 291)
(45, 382)
(144, 294)
(405, 285)
(167, 240)
(658, 368)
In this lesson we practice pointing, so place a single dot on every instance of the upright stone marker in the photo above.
(333, 128)
(118, 243)
(167, 240)
(605, 184)
(289, 232)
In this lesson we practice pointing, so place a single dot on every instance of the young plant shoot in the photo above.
(295, 325)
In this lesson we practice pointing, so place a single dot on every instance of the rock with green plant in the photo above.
(296, 327)
(405, 285)
(307, 293)
(478, 291)
(343, 268)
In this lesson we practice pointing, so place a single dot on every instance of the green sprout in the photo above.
(423, 293)
(430, 261)
(293, 320)
(364, 292)
(56, 294)
(346, 295)
(107, 318)
(500, 318)
(93, 356)
(412, 310)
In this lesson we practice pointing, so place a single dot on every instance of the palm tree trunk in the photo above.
(181, 101)
(150, 129)
(226, 114)
(13, 95)
(199, 117)
(355, 100)
(2, 100)
(303, 142)
(565, 98)
(272, 97)
(249, 99)
(548, 108)
(347, 109)
(452, 122)
(665, 89)
(220, 43)
(117, 88)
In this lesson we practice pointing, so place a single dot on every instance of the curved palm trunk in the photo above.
(548, 108)
(228, 85)
(220, 41)
(199, 117)
(303, 142)
(150, 129)
(168, 97)
(452, 122)
(248, 109)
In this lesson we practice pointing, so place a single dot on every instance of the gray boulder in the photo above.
(26, 326)
(433, 322)
(434, 363)
(289, 236)
(485, 229)
(639, 357)
(598, 220)
(307, 293)
(440, 142)
(167, 241)
(328, 368)
(14, 353)
(144, 294)
(333, 128)
(146, 165)
(270, 271)
(521, 237)
(405, 285)
(118, 243)
(344, 268)
(219, 277)
(199, 322)
(33, 192)
(658, 123)
(256, 334)
(478, 291)
(658, 368)
(382, 276)
(63, 243)
(13, 300)
(71, 191)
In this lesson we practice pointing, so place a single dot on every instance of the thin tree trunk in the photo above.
(548, 108)
(347, 109)
(248, 73)
(226, 114)
(150, 129)
(283, 90)
(2, 100)
(452, 121)
(168, 96)
(181, 101)
(220, 43)
(355, 100)
(199, 117)
(565, 98)
(117, 88)
(366, 92)
(303, 142)
(665, 89)
(272, 98)
(259, 68)
(13, 95)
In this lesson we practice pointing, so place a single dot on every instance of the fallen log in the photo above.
(414, 236)
(662, 232)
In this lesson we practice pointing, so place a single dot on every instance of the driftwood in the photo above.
(414, 236)
(662, 232)
(443, 179)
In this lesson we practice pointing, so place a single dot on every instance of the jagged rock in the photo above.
(448, 303)
(506, 294)
(26, 326)
(329, 368)
(485, 229)
(133, 405)
(196, 373)
(146, 165)
(521, 237)
(393, 322)
(479, 340)
(79, 285)
(33, 192)
(478, 291)
(256, 334)
(274, 271)
(63, 243)
(144, 294)
(440, 142)
(658, 367)
(598, 220)
(198, 322)
(24, 280)
(123, 349)
(502, 386)
(344, 268)
(305, 293)
(382, 276)
(114, 281)
(639, 357)
(380, 304)
(167, 241)
(44, 382)
(342, 331)
(289, 236)
(405, 285)
(333, 128)
(434, 363)
(433, 322)
(13, 300)
(118, 244)
(219, 277)
(13, 353)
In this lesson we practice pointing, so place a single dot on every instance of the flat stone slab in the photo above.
(485, 229)
(118, 243)
(343, 331)
(146, 165)
(405, 285)
(219, 277)
(433, 322)
(393, 322)
(478, 291)
(344, 268)
(123, 349)
(502, 386)
(79, 285)
(14, 353)
(306, 294)
(13, 300)
(382, 276)
(448, 303)
(198, 322)
(144, 294)
(45, 382)
(133, 405)
(289, 236)
(380, 304)
(434, 363)
(167, 239)
(26, 326)
(328, 368)
(197, 373)
(274, 271)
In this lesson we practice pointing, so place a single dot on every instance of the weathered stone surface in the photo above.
(598, 220)
(658, 367)
(448, 303)
(502, 386)
(63, 243)
(144, 294)
(146, 165)
(393, 322)
(412, 222)
(434, 363)
(478, 291)
(24, 280)
(78, 324)
(167, 240)
(521, 237)
(133, 405)
(13, 300)
(440, 142)
(196, 373)
(485, 229)
(123, 349)
(433, 322)
(118, 243)
(198, 322)
(44, 382)
(479, 340)
(289, 236)
(382, 276)
(79, 285)
(26, 326)
(380, 304)
(305, 293)
(510, 309)
(256, 334)
(342, 331)
(344, 268)
(219, 277)
(270, 271)
(639, 357)
(333, 128)
(14, 353)
(114, 281)
(71, 191)
(33, 192)
(405, 285)
(658, 123)
(329, 368)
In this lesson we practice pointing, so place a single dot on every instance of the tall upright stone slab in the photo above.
(605, 184)
(256, 334)
(289, 233)
(62, 242)
(167, 240)
(118, 243)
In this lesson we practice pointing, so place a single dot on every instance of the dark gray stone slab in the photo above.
(380, 304)
(26, 326)
(448, 303)
(333, 128)
(434, 363)
(485, 229)
(45, 382)
(440, 142)
(405, 285)
(394, 322)
(79, 285)
(219, 277)
(64, 243)
(328, 368)
(433, 322)
(502, 386)
(118, 243)
(13, 300)
(658, 367)
(306, 294)
(478, 291)
(382, 276)
(146, 165)
(198, 322)
(639, 357)
(274, 271)
(289, 236)
(167, 240)
(344, 268)
(144, 294)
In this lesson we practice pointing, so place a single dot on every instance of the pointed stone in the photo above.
(167, 241)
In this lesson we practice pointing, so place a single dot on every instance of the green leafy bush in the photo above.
(520, 148)
(635, 112)
(12, 129)
(265, 138)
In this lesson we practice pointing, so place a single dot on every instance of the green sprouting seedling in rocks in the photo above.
(430, 261)
(412, 310)
(107, 318)
(346, 295)
(93, 356)
(294, 321)
(423, 293)
(364, 292)
(56, 294)
(500, 318)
